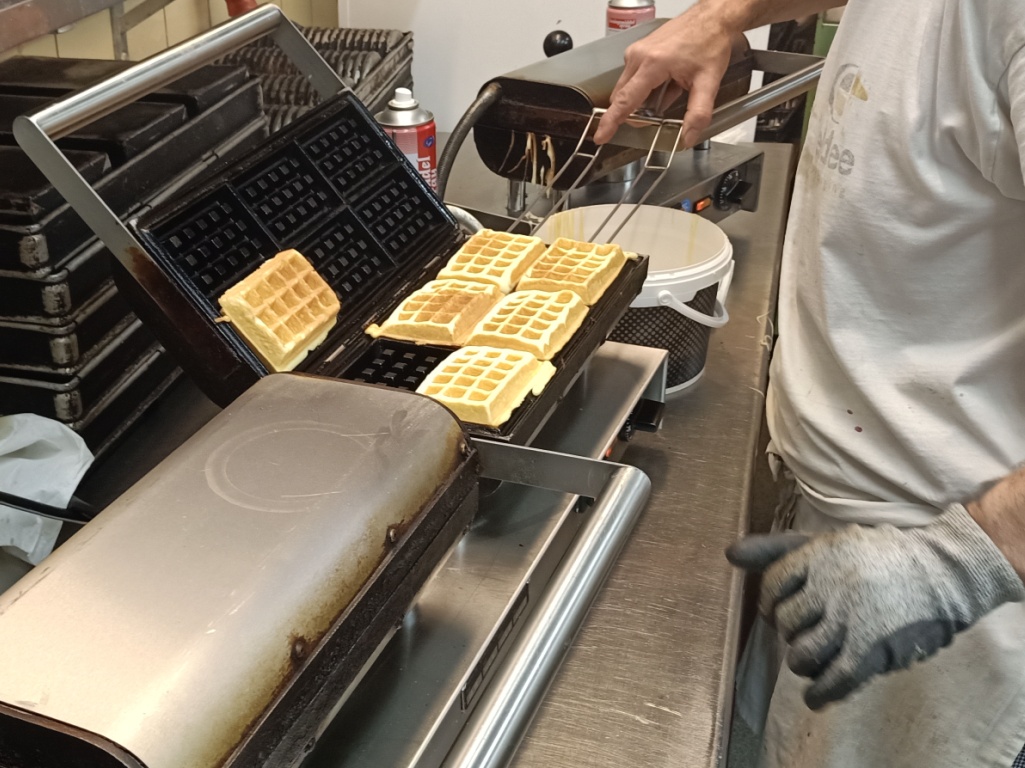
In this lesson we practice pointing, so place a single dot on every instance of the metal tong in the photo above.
(799, 74)
(662, 126)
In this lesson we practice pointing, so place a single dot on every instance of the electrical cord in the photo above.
(68, 515)
(486, 98)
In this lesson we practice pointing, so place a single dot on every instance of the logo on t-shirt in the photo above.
(846, 86)
(827, 138)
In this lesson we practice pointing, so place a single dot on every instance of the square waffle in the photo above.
(536, 322)
(494, 257)
(484, 385)
(442, 312)
(282, 310)
(584, 268)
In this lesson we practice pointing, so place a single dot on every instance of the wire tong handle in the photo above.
(651, 164)
(798, 74)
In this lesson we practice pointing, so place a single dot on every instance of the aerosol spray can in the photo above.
(623, 14)
(412, 128)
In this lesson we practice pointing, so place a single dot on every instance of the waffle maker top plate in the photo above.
(333, 186)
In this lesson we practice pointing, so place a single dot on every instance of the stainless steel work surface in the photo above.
(649, 679)
(410, 706)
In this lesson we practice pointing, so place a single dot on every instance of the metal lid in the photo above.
(631, 3)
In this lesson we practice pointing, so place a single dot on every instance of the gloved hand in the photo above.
(859, 602)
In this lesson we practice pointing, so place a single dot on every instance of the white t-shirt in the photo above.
(898, 384)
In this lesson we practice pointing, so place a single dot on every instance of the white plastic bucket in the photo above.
(689, 275)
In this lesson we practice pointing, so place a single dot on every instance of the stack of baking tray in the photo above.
(372, 62)
(70, 347)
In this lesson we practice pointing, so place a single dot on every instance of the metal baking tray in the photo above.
(373, 62)
(67, 395)
(126, 400)
(46, 243)
(32, 297)
(46, 76)
(334, 187)
(69, 343)
(121, 135)
(26, 195)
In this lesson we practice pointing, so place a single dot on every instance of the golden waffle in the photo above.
(536, 322)
(494, 257)
(442, 312)
(586, 269)
(283, 309)
(484, 385)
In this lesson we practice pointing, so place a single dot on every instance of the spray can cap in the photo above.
(403, 99)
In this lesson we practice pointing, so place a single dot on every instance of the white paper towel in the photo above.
(42, 460)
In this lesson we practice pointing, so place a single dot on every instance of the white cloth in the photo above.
(898, 384)
(42, 460)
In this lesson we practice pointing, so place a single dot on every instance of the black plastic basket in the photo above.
(665, 328)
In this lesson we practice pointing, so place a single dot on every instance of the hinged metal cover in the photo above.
(199, 618)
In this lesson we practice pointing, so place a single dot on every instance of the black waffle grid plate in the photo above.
(334, 187)
(403, 365)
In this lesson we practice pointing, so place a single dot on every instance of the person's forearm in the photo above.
(742, 15)
(1000, 512)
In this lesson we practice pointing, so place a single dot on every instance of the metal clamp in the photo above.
(656, 134)
(36, 132)
(502, 716)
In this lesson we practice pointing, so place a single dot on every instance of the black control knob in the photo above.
(557, 42)
(731, 191)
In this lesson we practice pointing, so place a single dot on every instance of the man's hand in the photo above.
(863, 601)
(692, 52)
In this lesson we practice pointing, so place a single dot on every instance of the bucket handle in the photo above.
(717, 320)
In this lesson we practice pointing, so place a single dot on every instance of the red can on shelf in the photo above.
(413, 130)
(624, 14)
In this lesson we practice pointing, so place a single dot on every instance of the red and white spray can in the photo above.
(624, 14)
(413, 130)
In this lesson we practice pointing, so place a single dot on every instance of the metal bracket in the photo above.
(122, 22)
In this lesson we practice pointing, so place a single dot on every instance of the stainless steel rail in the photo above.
(796, 82)
(501, 718)
(801, 73)
(36, 132)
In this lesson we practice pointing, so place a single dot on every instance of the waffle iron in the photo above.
(223, 609)
(333, 186)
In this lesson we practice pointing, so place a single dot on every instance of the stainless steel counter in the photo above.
(649, 680)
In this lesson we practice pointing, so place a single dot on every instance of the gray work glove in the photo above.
(862, 601)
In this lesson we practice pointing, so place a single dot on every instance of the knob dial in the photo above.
(731, 191)
(557, 42)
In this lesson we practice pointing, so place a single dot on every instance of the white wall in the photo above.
(460, 44)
